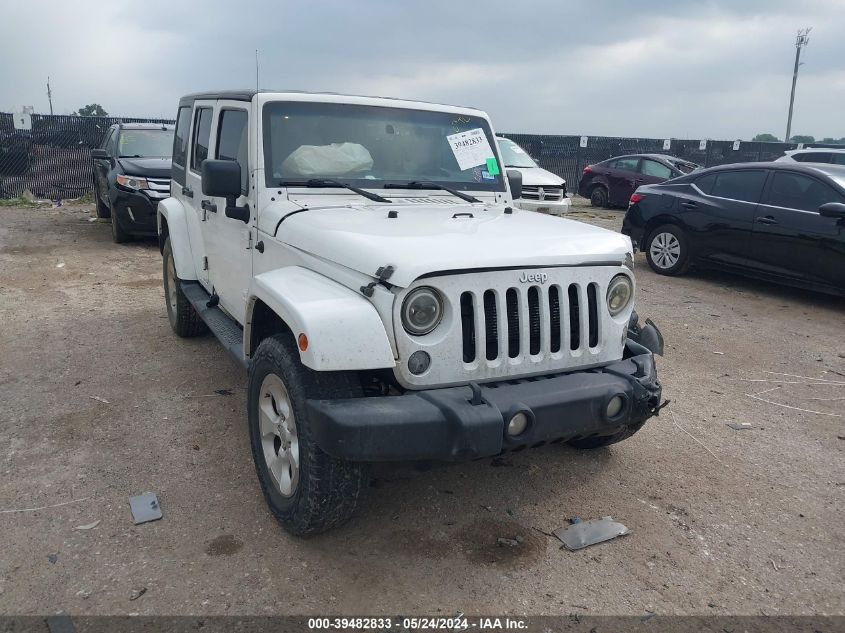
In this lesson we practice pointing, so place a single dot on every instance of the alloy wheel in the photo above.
(665, 250)
(279, 440)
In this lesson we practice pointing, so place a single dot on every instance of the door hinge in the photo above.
(205, 263)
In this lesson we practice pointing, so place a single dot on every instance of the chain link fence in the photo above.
(52, 159)
(50, 155)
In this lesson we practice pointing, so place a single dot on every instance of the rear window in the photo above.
(739, 185)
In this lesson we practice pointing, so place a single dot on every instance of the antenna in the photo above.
(256, 69)
(801, 40)
(49, 95)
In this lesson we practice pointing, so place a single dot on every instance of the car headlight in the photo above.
(619, 294)
(132, 182)
(422, 311)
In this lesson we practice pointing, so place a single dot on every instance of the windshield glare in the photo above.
(146, 143)
(372, 146)
(513, 155)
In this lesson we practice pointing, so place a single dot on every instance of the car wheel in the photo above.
(102, 209)
(117, 233)
(606, 440)
(307, 490)
(183, 318)
(598, 197)
(666, 250)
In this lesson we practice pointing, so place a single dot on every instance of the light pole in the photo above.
(801, 41)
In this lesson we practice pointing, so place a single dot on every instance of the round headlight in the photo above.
(619, 294)
(421, 311)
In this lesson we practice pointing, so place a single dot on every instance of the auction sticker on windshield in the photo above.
(470, 148)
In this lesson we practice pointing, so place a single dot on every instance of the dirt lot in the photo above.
(101, 401)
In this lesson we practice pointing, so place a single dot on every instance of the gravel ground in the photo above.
(102, 401)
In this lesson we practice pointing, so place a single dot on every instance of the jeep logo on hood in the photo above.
(535, 277)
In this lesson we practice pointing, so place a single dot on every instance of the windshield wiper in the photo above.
(425, 184)
(130, 156)
(324, 183)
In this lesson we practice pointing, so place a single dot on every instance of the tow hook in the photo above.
(646, 335)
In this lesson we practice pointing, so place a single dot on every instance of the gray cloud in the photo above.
(660, 68)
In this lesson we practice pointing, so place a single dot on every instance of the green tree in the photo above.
(799, 138)
(833, 141)
(92, 109)
(766, 138)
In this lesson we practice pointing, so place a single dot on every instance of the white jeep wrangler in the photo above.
(362, 258)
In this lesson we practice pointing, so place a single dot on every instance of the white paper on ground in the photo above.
(470, 148)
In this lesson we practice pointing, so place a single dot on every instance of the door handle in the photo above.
(688, 204)
(208, 205)
(260, 246)
(767, 219)
(187, 192)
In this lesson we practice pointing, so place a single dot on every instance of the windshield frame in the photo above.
(169, 131)
(277, 107)
(502, 139)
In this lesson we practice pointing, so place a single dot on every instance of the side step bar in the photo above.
(224, 327)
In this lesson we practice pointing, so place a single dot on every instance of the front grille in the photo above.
(536, 322)
(159, 188)
(544, 194)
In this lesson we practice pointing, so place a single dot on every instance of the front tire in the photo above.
(599, 197)
(667, 250)
(307, 490)
(183, 318)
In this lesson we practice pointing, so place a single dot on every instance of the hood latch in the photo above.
(383, 274)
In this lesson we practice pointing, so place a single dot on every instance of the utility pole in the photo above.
(801, 41)
(49, 95)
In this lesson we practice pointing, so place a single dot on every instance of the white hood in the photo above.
(427, 239)
(538, 177)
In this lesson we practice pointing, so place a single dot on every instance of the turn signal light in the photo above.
(303, 342)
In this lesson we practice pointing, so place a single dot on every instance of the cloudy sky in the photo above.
(718, 69)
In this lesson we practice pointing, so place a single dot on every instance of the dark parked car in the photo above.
(131, 175)
(611, 182)
(784, 222)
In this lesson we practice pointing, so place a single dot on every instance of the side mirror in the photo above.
(222, 179)
(515, 183)
(99, 154)
(832, 210)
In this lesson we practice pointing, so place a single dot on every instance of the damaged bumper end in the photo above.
(473, 421)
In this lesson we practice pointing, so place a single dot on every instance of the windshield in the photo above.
(514, 155)
(145, 143)
(377, 147)
(685, 167)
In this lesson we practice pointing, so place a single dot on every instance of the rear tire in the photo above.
(307, 490)
(183, 318)
(599, 197)
(601, 441)
(667, 250)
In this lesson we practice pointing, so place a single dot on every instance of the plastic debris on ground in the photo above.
(739, 426)
(89, 526)
(509, 542)
(585, 533)
(145, 508)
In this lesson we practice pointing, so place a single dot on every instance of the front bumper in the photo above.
(468, 422)
(135, 211)
(556, 207)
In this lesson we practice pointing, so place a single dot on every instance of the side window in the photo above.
(232, 141)
(813, 157)
(739, 185)
(705, 183)
(838, 159)
(796, 191)
(653, 168)
(202, 133)
(180, 137)
(626, 164)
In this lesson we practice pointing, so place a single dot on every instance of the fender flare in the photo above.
(173, 211)
(344, 330)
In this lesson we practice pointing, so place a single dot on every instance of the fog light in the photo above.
(518, 423)
(614, 406)
(419, 362)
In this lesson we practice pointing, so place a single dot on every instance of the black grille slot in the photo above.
(593, 312)
(574, 318)
(554, 318)
(534, 320)
(468, 326)
(512, 307)
(491, 325)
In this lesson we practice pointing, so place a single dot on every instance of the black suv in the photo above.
(131, 175)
